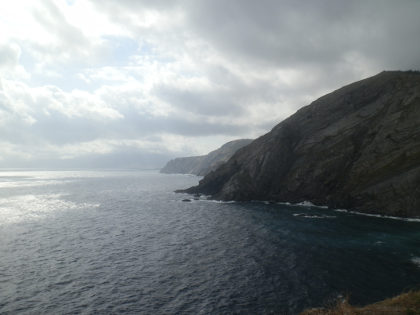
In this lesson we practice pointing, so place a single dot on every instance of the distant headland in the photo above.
(204, 164)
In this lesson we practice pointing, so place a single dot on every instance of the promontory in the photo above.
(356, 148)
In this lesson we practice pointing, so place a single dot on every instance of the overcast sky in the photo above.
(120, 83)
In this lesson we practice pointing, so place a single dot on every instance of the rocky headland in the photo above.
(356, 148)
(203, 164)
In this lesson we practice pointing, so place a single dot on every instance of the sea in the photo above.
(122, 242)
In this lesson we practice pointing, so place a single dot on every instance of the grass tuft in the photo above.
(403, 304)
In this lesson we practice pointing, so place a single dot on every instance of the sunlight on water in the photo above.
(29, 207)
(26, 183)
(25, 207)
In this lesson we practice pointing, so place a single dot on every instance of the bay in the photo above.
(80, 242)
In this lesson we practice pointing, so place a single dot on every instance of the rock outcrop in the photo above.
(202, 165)
(356, 148)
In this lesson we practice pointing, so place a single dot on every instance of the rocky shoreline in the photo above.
(357, 148)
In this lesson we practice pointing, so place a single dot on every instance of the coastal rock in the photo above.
(356, 148)
(202, 165)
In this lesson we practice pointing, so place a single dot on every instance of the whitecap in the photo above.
(384, 216)
(305, 204)
(416, 261)
(313, 216)
(310, 204)
(214, 201)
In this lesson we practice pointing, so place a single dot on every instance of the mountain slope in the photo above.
(202, 165)
(356, 148)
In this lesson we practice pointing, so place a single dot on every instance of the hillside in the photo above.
(405, 304)
(202, 165)
(356, 148)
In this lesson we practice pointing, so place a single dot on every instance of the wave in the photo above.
(307, 204)
(310, 204)
(378, 215)
(313, 216)
(416, 261)
(209, 200)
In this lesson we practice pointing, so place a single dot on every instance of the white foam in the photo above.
(416, 261)
(305, 204)
(210, 200)
(380, 216)
(310, 204)
(313, 216)
(284, 203)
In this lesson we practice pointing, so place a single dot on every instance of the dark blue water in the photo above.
(123, 242)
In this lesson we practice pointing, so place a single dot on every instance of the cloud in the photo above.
(294, 34)
(9, 55)
(83, 81)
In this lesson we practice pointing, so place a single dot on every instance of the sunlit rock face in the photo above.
(356, 148)
(202, 165)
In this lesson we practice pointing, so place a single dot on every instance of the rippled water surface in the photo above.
(123, 242)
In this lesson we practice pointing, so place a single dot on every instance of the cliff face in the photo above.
(202, 165)
(356, 148)
(183, 165)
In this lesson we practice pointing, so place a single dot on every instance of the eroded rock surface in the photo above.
(356, 148)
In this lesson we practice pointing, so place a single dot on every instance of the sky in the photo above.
(133, 83)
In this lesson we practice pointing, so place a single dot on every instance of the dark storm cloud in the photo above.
(209, 103)
(296, 33)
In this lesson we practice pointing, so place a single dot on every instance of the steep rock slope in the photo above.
(356, 148)
(183, 165)
(202, 165)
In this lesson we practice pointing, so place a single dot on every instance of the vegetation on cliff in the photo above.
(404, 304)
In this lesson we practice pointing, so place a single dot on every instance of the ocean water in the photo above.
(111, 242)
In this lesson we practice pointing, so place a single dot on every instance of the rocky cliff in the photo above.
(202, 165)
(356, 148)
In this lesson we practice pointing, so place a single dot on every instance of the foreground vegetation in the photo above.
(406, 303)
